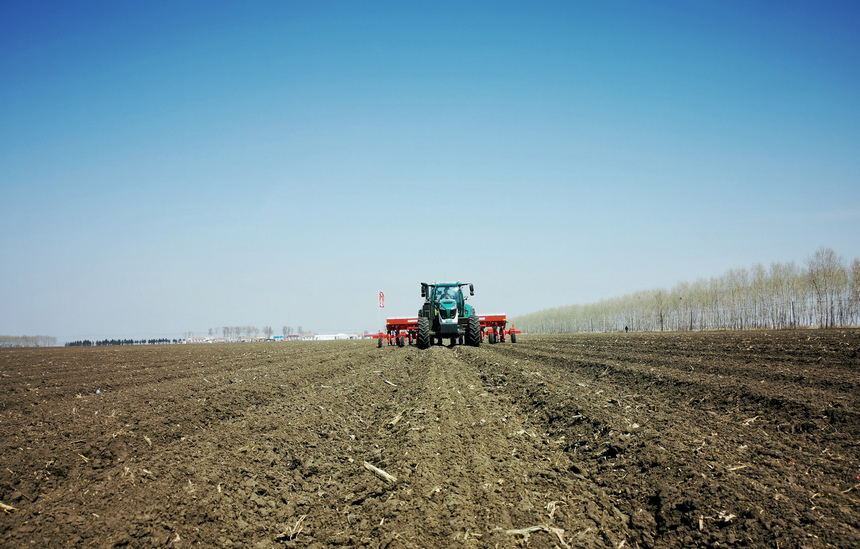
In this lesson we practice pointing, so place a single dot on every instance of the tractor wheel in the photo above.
(400, 342)
(473, 332)
(379, 342)
(423, 341)
(513, 337)
(492, 339)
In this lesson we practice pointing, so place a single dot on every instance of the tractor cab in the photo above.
(449, 300)
(449, 292)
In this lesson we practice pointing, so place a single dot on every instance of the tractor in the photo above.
(446, 315)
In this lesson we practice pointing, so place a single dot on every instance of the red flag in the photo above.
(381, 300)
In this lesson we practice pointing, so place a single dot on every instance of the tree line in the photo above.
(28, 341)
(824, 292)
(236, 332)
(88, 343)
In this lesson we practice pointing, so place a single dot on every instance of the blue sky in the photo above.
(175, 166)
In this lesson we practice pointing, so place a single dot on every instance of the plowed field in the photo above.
(605, 440)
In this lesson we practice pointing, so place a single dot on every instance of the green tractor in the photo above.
(446, 315)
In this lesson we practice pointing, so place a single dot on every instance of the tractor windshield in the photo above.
(448, 292)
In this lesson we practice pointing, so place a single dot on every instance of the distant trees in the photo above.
(88, 343)
(233, 333)
(28, 341)
(825, 293)
(229, 333)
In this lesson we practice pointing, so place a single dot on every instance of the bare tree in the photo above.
(659, 298)
(853, 302)
(826, 274)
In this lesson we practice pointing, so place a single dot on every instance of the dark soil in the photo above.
(605, 440)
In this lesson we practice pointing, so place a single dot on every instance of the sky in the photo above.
(170, 167)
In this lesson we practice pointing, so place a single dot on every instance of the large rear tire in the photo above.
(423, 340)
(473, 331)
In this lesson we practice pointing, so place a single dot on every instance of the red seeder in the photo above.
(402, 330)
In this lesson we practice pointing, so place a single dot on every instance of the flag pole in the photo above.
(379, 311)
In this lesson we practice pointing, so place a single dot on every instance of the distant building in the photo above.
(335, 337)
